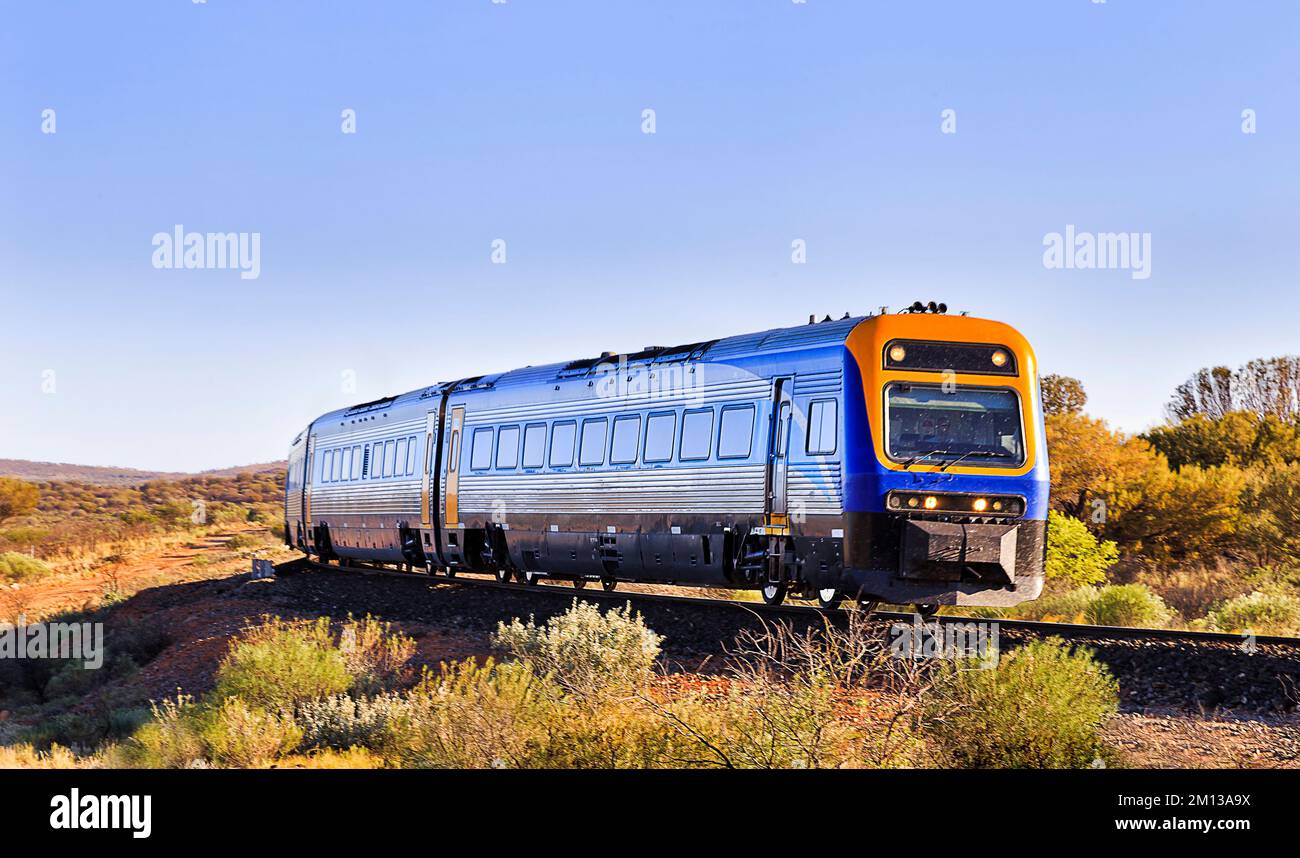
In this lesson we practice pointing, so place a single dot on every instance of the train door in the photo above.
(454, 432)
(309, 469)
(778, 448)
(427, 480)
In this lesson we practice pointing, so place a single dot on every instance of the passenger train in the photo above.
(898, 457)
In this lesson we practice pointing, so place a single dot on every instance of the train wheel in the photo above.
(868, 605)
(926, 611)
(579, 583)
(830, 597)
(608, 584)
(502, 574)
(529, 577)
(774, 594)
(451, 571)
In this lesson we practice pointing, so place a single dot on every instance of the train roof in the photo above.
(813, 335)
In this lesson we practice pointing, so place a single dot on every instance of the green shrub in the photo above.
(1128, 605)
(342, 722)
(237, 735)
(375, 655)
(21, 569)
(281, 663)
(584, 650)
(1264, 612)
(503, 715)
(1043, 706)
(1074, 555)
(244, 540)
(767, 723)
(25, 756)
(1071, 607)
(171, 740)
(225, 732)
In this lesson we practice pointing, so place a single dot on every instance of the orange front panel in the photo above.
(867, 344)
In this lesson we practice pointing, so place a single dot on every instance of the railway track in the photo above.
(1036, 628)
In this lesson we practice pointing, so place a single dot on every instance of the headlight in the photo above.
(957, 503)
(897, 353)
(999, 358)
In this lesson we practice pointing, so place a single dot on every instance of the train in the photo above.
(895, 458)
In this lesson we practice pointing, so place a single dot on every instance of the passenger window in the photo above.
(822, 427)
(534, 445)
(390, 458)
(347, 463)
(562, 435)
(326, 466)
(338, 465)
(412, 454)
(377, 461)
(356, 462)
(697, 434)
(594, 431)
(399, 461)
(480, 455)
(736, 434)
(659, 432)
(508, 447)
(627, 433)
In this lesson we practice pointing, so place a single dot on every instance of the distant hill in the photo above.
(96, 475)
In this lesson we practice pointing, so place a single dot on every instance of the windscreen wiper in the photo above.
(985, 453)
(919, 456)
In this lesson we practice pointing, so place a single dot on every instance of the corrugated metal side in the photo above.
(815, 485)
(399, 498)
(816, 488)
(827, 382)
(736, 488)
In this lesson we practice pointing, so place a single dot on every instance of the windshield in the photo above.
(978, 425)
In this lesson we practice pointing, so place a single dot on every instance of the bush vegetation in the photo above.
(580, 691)
(1044, 706)
(1203, 510)
(1111, 605)
(70, 521)
(1075, 556)
(1266, 613)
(18, 568)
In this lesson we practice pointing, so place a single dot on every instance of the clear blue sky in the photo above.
(775, 121)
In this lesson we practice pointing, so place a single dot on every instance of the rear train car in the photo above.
(896, 458)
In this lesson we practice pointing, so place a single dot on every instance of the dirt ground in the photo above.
(195, 592)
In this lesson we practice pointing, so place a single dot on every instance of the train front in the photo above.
(946, 481)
